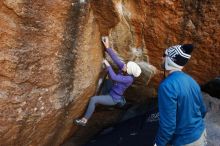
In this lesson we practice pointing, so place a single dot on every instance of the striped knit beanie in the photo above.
(177, 56)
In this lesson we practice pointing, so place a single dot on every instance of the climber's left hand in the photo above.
(106, 63)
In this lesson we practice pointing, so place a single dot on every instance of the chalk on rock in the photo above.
(82, 1)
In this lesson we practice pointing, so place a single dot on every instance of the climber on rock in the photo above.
(181, 106)
(121, 81)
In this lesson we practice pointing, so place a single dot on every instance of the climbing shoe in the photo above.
(80, 122)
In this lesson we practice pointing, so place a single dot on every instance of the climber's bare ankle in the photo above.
(84, 120)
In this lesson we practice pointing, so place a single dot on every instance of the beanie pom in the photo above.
(187, 48)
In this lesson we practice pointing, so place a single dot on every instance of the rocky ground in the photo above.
(212, 121)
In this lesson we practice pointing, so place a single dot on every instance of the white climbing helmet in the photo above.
(133, 69)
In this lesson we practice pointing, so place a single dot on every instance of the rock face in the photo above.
(49, 67)
(50, 56)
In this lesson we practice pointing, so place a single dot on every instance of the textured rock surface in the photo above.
(46, 76)
(212, 120)
(50, 56)
(174, 22)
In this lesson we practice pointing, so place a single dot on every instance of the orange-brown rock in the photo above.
(49, 68)
(51, 54)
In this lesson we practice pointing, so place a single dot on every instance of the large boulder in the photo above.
(51, 54)
(49, 68)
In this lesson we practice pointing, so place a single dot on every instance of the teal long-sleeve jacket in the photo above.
(181, 110)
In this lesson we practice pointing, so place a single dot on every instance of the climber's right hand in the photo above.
(105, 41)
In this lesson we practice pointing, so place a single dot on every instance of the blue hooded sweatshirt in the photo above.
(181, 110)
